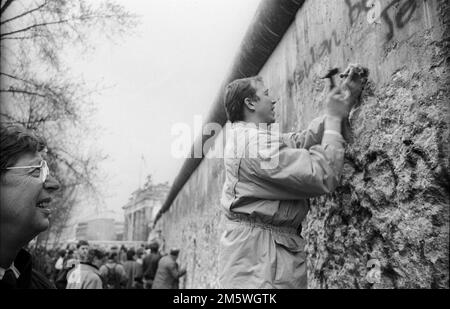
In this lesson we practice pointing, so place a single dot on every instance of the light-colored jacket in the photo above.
(265, 200)
(84, 276)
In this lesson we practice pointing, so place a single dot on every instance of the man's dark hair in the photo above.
(140, 252)
(95, 253)
(130, 254)
(62, 253)
(154, 246)
(82, 243)
(175, 251)
(15, 140)
(235, 94)
(112, 256)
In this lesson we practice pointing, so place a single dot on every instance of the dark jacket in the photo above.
(167, 274)
(29, 278)
(133, 271)
(150, 265)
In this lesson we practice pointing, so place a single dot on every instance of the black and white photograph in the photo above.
(227, 149)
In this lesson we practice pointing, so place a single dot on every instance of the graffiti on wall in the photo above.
(376, 12)
(315, 53)
(394, 19)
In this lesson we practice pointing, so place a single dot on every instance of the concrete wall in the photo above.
(393, 204)
(193, 224)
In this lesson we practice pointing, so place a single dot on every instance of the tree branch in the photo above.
(16, 78)
(12, 90)
(5, 6)
(35, 26)
(79, 175)
(9, 117)
(25, 13)
(24, 37)
(81, 18)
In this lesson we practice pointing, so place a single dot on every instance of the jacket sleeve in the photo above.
(313, 134)
(93, 282)
(174, 271)
(281, 172)
(306, 138)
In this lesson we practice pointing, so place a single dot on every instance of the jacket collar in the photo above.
(22, 268)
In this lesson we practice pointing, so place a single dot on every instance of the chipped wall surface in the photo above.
(393, 202)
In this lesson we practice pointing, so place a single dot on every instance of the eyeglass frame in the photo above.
(44, 171)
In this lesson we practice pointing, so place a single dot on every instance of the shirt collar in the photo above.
(15, 271)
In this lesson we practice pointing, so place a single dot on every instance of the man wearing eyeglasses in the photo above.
(26, 189)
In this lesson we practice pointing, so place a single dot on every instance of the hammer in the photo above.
(330, 76)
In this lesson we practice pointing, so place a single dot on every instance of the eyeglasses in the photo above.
(43, 169)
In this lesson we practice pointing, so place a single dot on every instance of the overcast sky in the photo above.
(167, 73)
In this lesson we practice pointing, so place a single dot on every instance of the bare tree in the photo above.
(38, 91)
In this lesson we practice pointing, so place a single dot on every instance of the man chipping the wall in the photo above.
(269, 178)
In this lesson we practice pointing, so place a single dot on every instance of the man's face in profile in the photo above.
(265, 105)
(24, 198)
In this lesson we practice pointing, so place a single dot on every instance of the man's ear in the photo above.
(249, 103)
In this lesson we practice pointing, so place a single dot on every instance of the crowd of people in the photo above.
(91, 267)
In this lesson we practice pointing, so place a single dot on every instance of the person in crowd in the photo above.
(270, 176)
(168, 272)
(69, 262)
(26, 192)
(156, 236)
(140, 254)
(74, 258)
(113, 273)
(122, 254)
(115, 249)
(70, 259)
(70, 246)
(82, 250)
(86, 274)
(147, 249)
(150, 265)
(59, 265)
(133, 270)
